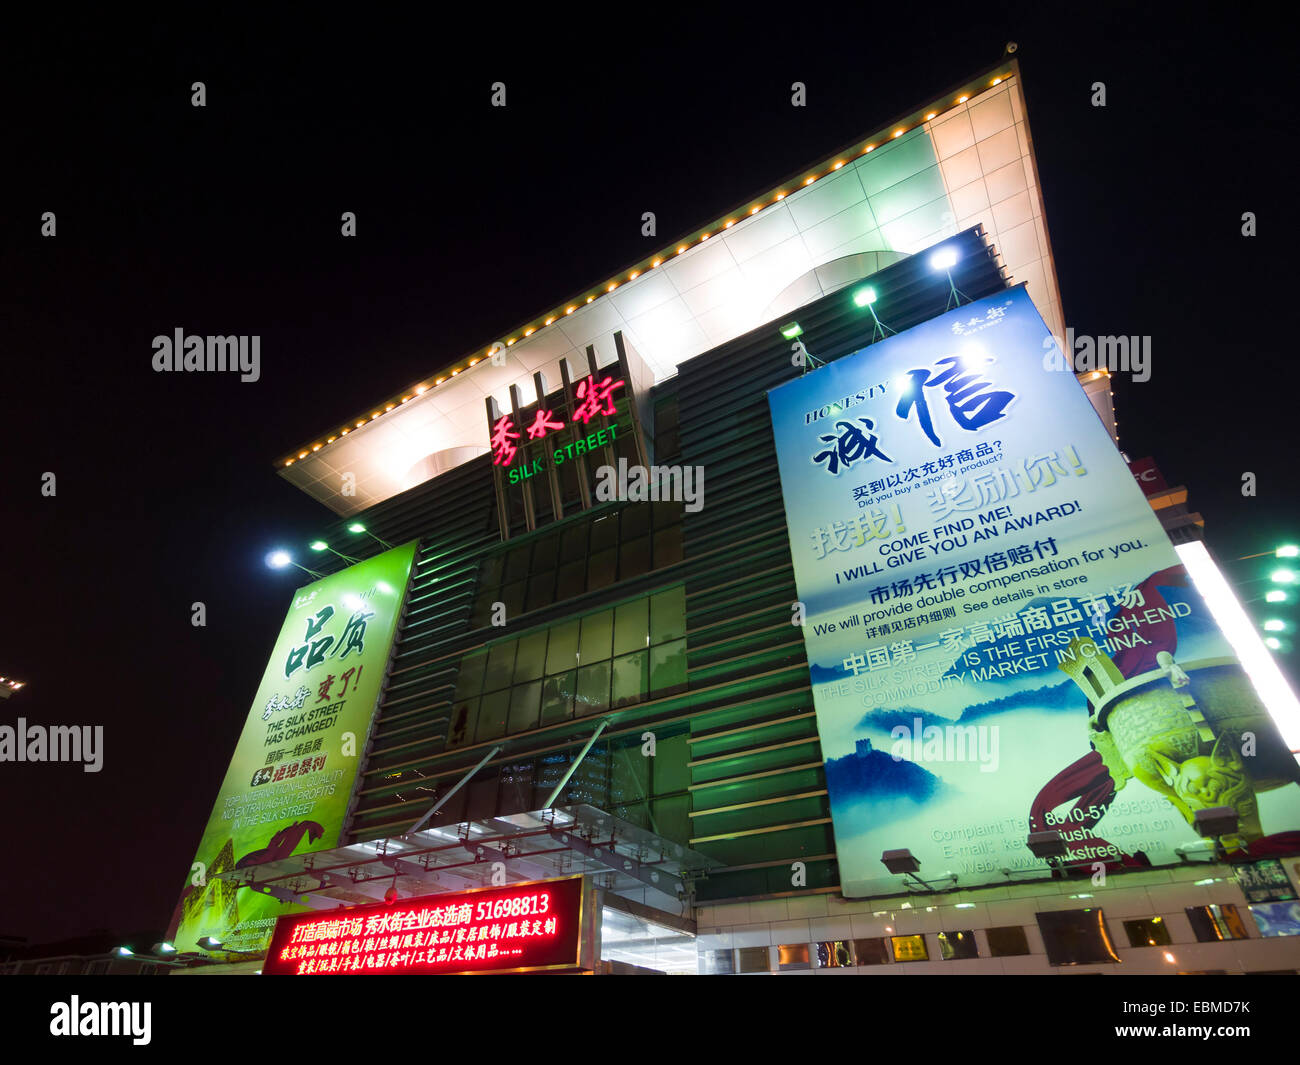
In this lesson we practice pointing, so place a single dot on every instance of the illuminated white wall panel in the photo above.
(972, 164)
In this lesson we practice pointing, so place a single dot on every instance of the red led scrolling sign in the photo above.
(594, 397)
(518, 928)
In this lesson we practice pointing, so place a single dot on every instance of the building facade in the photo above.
(620, 687)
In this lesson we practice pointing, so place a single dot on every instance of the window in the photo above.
(1277, 918)
(834, 954)
(1008, 941)
(582, 556)
(754, 959)
(1147, 932)
(1213, 923)
(909, 948)
(956, 945)
(610, 658)
(1076, 937)
(717, 962)
(793, 956)
(871, 951)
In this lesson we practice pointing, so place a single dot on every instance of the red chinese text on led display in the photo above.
(532, 927)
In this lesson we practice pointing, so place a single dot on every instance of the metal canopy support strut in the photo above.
(555, 792)
(459, 784)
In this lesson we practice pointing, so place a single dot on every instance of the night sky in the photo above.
(225, 220)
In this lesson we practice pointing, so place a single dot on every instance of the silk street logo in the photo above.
(53, 743)
(972, 402)
(78, 1018)
(196, 354)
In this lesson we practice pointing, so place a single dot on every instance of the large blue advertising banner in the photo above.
(1000, 636)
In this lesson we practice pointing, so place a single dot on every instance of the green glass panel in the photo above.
(593, 689)
(634, 558)
(573, 544)
(490, 573)
(600, 569)
(557, 697)
(525, 700)
(469, 681)
(668, 668)
(632, 626)
(464, 719)
(546, 553)
(517, 566)
(668, 615)
(572, 580)
(512, 595)
(492, 713)
(531, 659)
(597, 637)
(604, 532)
(562, 651)
(541, 590)
(669, 765)
(631, 679)
(636, 521)
(500, 666)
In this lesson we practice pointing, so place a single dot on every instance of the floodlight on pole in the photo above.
(866, 297)
(321, 545)
(278, 559)
(357, 527)
(945, 259)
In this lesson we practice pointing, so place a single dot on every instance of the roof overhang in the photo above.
(964, 160)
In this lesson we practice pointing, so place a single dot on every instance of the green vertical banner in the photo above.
(289, 783)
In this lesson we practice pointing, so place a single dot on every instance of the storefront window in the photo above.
(1214, 923)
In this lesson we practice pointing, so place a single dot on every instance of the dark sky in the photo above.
(225, 220)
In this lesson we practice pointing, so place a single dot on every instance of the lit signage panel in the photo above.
(523, 927)
(1148, 476)
(1001, 638)
(287, 789)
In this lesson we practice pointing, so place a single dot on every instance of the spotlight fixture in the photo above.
(944, 258)
(357, 527)
(280, 558)
(866, 297)
(321, 545)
